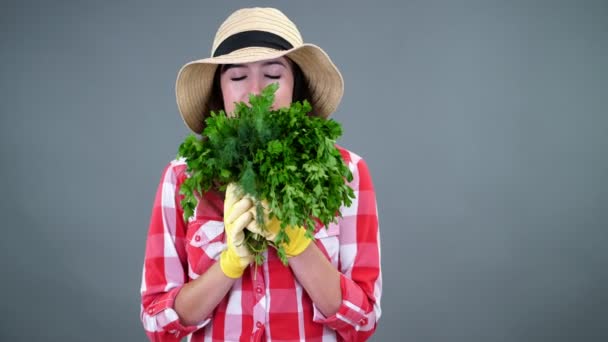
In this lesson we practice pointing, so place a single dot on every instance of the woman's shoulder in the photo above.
(175, 171)
(349, 156)
(358, 167)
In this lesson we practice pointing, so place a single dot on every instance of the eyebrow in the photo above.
(273, 62)
(226, 67)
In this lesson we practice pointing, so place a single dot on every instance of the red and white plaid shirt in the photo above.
(267, 303)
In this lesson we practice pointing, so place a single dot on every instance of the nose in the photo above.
(256, 86)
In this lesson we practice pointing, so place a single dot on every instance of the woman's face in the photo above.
(239, 80)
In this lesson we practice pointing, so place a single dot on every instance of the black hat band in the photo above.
(251, 38)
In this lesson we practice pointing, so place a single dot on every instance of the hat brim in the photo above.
(195, 80)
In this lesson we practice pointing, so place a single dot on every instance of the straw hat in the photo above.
(251, 35)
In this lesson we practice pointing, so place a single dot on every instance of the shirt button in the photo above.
(150, 311)
(259, 324)
(197, 238)
(258, 290)
(363, 321)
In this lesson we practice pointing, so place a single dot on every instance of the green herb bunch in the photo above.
(284, 156)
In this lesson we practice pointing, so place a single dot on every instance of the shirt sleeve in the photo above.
(165, 264)
(361, 277)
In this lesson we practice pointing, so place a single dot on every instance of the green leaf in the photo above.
(275, 147)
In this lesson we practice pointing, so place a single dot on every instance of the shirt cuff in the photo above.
(348, 315)
(163, 313)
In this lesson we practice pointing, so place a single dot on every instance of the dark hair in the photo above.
(216, 102)
(301, 90)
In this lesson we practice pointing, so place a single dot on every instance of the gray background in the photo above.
(484, 123)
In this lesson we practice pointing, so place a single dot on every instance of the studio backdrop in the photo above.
(484, 125)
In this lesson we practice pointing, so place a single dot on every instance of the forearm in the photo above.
(197, 299)
(319, 278)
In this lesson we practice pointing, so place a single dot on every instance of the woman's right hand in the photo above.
(237, 215)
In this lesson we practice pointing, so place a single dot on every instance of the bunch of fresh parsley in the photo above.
(285, 157)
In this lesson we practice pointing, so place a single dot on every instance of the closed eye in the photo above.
(238, 78)
(273, 77)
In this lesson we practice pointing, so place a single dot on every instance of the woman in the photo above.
(197, 278)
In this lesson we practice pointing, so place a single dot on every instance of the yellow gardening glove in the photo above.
(237, 215)
(298, 241)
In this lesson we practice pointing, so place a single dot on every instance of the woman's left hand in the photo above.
(297, 239)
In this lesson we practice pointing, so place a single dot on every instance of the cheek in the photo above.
(230, 96)
(229, 108)
(284, 95)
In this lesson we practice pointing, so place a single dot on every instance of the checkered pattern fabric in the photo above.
(267, 303)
